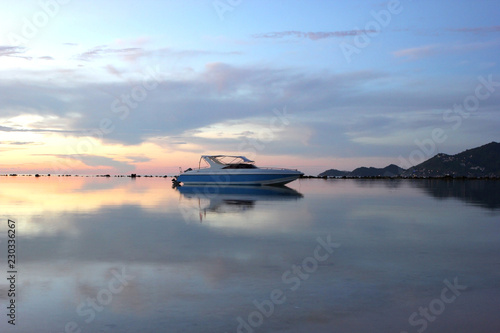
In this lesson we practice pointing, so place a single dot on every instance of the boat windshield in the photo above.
(240, 166)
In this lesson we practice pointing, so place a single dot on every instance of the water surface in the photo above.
(125, 255)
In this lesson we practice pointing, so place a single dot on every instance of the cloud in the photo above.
(218, 93)
(131, 54)
(103, 50)
(436, 49)
(113, 70)
(96, 161)
(20, 143)
(41, 130)
(5, 129)
(312, 35)
(13, 51)
(321, 105)
(478, 30)
(418, 52)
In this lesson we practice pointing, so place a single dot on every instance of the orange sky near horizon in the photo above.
(26, 151)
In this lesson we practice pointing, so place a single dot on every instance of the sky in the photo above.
(120, 87)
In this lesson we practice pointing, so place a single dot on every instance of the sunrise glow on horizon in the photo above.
(122, 87)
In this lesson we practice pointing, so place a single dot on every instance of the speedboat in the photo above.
(235, 170)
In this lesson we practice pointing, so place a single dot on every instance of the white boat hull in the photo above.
(253, 177)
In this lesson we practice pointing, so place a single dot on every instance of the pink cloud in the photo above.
(13, 51)
(312, 35)
(495, 28)
(434, 49)
(417, 52)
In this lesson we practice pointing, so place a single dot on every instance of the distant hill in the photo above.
(482, 161)
(389, 171)
(334, 173)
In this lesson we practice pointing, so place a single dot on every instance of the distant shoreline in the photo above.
(446, 177)
(36, 175)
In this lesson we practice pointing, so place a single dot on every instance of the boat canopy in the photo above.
(213, 160)
(243, 158)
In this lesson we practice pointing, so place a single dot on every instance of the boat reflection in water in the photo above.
(231, 199)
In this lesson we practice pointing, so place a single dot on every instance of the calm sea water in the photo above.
(124, 255)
